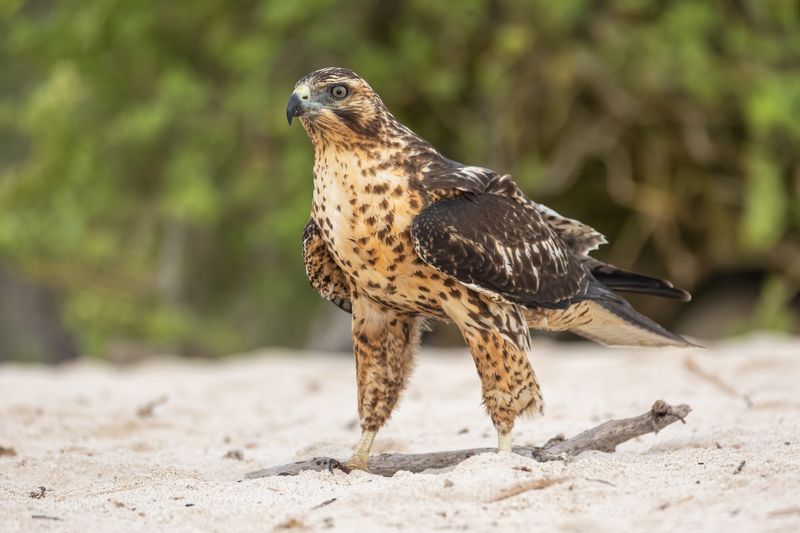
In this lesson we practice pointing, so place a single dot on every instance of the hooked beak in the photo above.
(300, 103)
(294, 108)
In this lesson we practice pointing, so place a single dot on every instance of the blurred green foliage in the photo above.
(147, 173)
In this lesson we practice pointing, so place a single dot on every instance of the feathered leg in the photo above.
(497, 335)
(508, 381)
(384, 343)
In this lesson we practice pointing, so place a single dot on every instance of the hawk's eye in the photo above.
(339, 91)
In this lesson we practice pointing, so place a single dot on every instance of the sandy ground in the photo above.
(164, 445)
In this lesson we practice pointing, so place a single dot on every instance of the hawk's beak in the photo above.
(294, 108)
(299, 103)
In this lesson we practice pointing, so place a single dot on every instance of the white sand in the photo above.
(76, 432)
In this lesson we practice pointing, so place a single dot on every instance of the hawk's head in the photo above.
(337, 101)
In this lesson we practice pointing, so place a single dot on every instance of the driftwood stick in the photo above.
(608, 435)
(605, 437)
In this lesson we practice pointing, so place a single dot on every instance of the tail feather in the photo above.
(615, 323)
(620, 280)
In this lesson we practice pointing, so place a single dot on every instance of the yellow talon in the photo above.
(360, 458)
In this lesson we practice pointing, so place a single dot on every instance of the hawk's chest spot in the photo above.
(364, 217)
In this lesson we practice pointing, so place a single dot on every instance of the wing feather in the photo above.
(445, 179)
(498, 245)
(322, 271)
(449, 175)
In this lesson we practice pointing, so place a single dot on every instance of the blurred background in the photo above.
(152, 197)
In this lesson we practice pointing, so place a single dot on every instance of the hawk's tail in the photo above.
(615, 323)
(619, 280)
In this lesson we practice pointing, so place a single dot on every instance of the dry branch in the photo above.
(605, 437)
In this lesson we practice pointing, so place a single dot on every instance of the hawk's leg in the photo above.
(508, 382)
(383, 343)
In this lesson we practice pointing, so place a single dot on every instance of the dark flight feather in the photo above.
(620, 280)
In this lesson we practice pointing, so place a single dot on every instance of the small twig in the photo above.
(537, 484)
(149, 408)
(739, 468)
(46, 517)
(323, 504)
(605, 437)
(692, 366)
(603, 481)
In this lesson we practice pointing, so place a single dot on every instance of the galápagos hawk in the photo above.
(400, 234)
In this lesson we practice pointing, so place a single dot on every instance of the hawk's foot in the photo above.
(360, 458)
(358, 463)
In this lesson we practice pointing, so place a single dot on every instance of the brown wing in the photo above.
(443, 174)
(443, 178)
(496, 244)
(324, 274)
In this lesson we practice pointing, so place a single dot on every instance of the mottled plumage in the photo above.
(400, 234)
(322, 271)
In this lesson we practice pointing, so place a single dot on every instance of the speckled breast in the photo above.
(365, 223)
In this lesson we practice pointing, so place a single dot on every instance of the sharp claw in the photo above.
(357, 464)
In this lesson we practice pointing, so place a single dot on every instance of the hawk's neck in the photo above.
(394, 153)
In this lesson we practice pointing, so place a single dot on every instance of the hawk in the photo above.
(400, 234)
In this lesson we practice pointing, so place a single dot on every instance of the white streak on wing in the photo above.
(556, 255)
(547, 249)
(535, 273)
(519, 256)
(531, 250)
(474, 170)
(505, 253)
(559, 260)
(475, 174)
